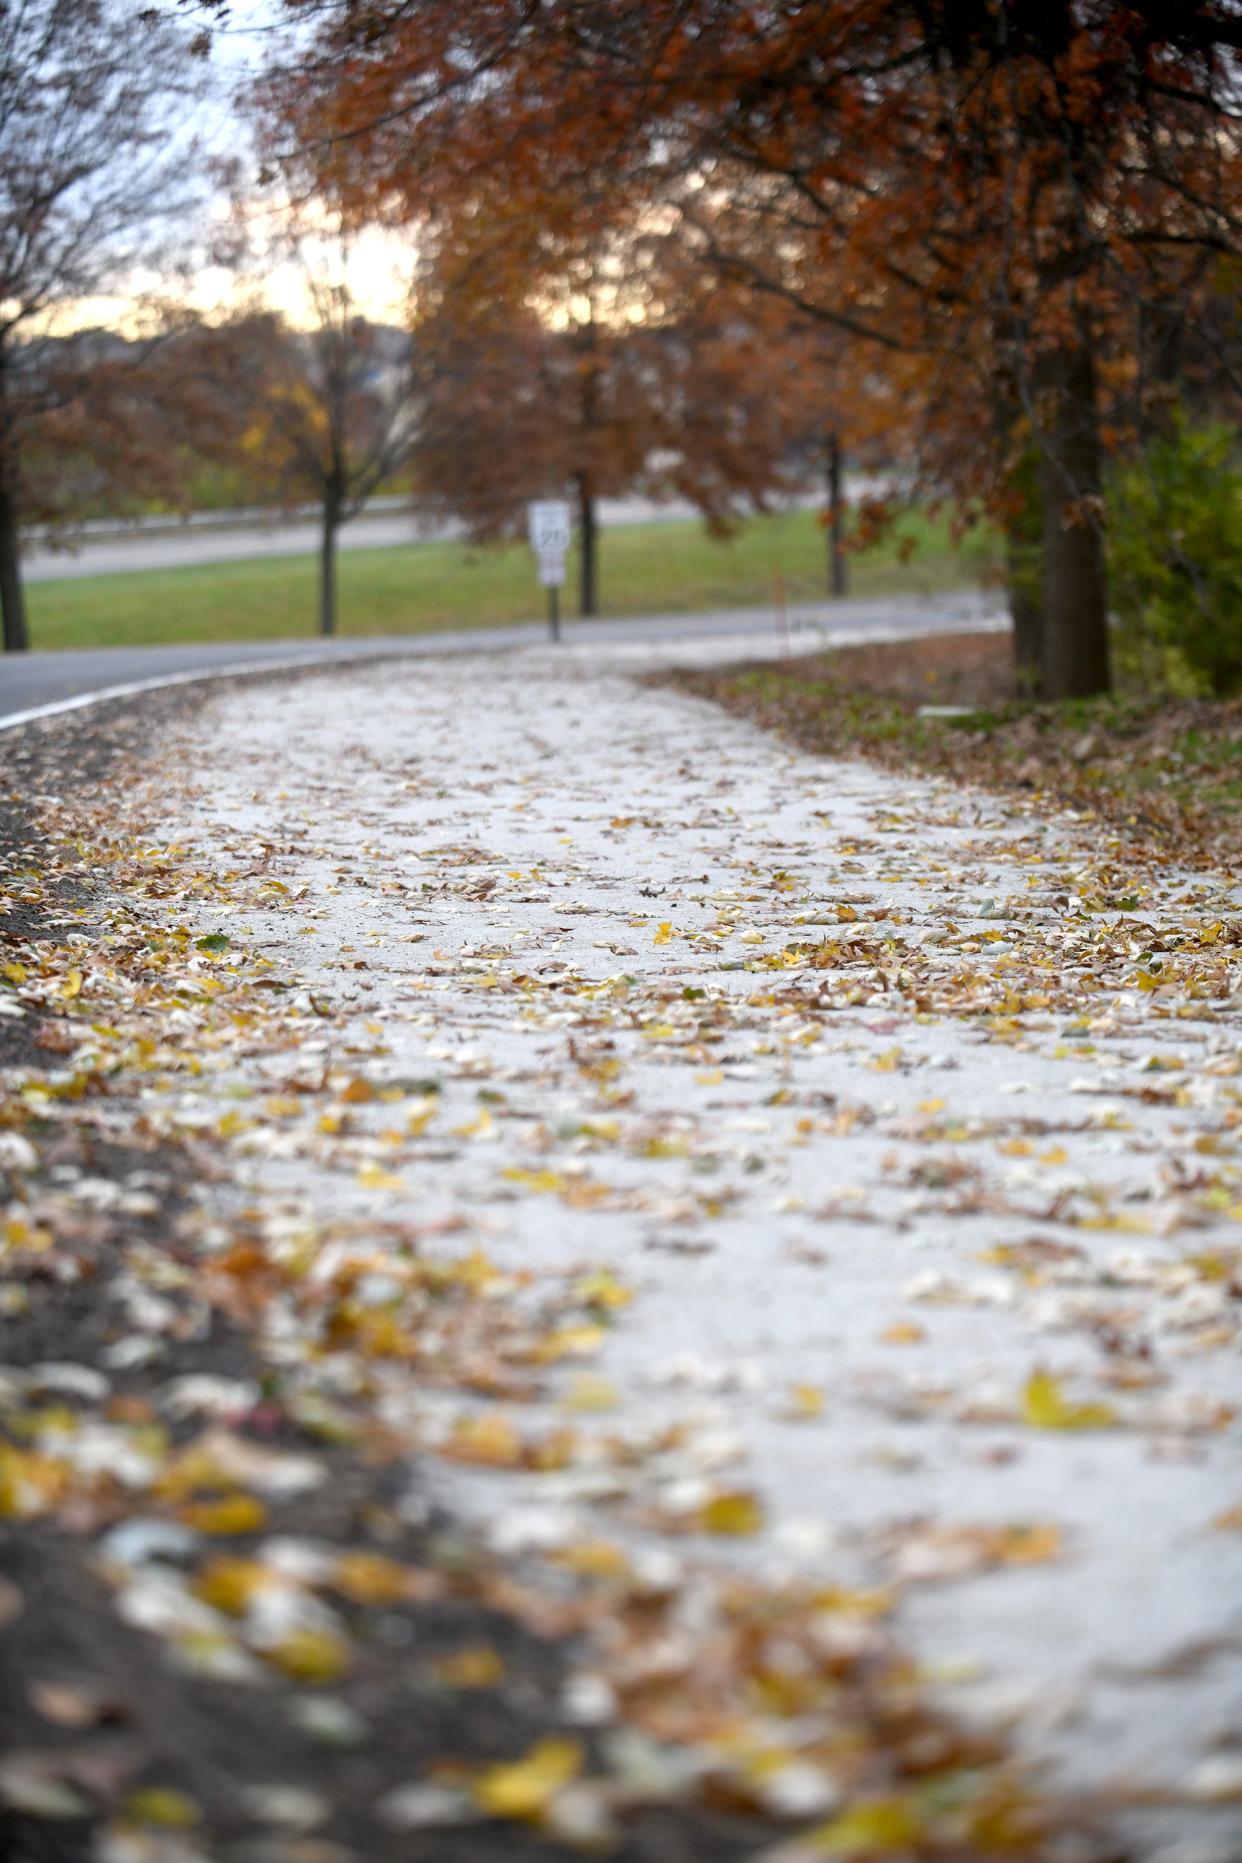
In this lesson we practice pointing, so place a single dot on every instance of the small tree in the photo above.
(94, 173)
(709, 395)
(117, 423)
(512, 410)
(335, 415)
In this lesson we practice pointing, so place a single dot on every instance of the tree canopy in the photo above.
(1018, 199)
(97, 179)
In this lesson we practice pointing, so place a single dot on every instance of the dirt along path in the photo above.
(509, 1155)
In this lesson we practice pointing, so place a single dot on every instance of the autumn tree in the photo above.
(513, 408)
(634, 372)
(332, 417)
(96, 179)
(123, 422)
(998, 188)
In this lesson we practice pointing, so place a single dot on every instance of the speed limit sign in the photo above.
(549, 526)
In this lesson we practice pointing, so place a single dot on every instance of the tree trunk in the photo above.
(588, 534)
(1075, 646)
(838, 562)
(12, 596)
(1027, 616)
(327, 566)
(1024, 574)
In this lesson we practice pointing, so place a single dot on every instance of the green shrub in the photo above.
(1175, 561)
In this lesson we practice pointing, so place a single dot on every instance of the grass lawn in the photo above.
(645, 569)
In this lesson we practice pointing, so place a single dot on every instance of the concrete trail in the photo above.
(928, 1201)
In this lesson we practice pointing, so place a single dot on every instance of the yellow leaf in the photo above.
(1211, 1267)
(593, 1559)
(308, 1655)
(29, 1484)
(476, 1665)
(489, 1439)
(228, 1585)
(282, 1106)
(877, 1825)
(735, 1513)
(1044, 1407)
(369, 1578)
(549, 1183)
(569, 1342)
(525, 1788)
(375, 1177)
(476, 1128)
(1231, 1520)
(1027, 1544)
(664, 934)
(358, 1092)
(605, 1070)
(72, 984)
(156, 1804)
(806, 1401)
(1125, 1225)
(838, 1601)
(674, 1146)
(590, 1393)
(16, 973)
(236, 1513)
(902, 1332)
(602, 1289)
(380, 1335)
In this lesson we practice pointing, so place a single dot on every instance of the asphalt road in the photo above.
(165, 545)
(31, 681)
(122, 553)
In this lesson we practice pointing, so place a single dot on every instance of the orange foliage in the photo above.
(1017, 200)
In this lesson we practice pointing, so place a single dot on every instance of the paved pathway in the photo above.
(31, 680)
(909, 1122)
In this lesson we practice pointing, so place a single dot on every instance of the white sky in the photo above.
(379, 264)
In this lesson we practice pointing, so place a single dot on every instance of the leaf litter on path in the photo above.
(792, 1220)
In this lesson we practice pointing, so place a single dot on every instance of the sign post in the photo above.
(549, 525)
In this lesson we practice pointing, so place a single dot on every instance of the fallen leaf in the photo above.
(1045, 1407)
(730, 1513)
(524, 1788)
